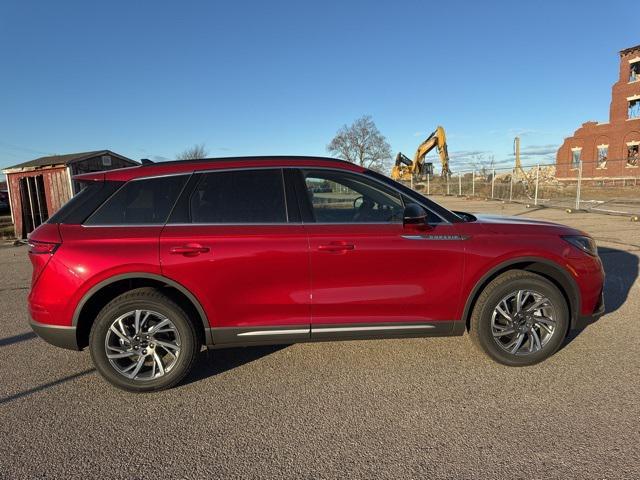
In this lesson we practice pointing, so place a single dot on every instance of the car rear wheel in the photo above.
(520, 318)
(143, 341)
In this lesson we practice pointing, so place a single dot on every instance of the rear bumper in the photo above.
(64, 337)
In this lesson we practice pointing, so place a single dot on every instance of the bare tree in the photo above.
(193, 153)
(361, 143)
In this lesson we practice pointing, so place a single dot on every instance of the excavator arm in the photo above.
(406, 169)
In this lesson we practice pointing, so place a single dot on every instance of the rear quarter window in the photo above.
(85, 202)
(140, 202)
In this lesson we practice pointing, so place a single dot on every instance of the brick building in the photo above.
(611, 149)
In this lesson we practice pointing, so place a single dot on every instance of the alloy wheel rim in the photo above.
(142, 345)
(523, 322)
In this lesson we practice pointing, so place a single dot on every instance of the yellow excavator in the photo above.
(409, 170)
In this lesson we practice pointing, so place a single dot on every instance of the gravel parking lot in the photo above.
(422, 408)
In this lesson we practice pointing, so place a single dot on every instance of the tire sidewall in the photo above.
(539, 285)
(161, 305)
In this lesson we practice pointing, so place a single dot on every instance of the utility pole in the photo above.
(513, 174)
(535, 201)
(579, 185)
(493, 181)
(473, 183)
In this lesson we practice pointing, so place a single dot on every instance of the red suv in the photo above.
(147, 264)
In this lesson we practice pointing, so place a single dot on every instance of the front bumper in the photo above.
(64, 337)
(582, 321)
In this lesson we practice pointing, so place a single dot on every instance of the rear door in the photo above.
(371, 276)
(110, 229)
(235, 242)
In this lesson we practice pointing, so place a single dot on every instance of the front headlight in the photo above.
(586, 244)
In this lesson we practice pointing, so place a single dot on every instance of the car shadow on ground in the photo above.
(23, 337)
(45, 386)
(214, 362)
(621, 271)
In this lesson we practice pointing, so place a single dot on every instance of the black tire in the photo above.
(144, 299)
(500, 287)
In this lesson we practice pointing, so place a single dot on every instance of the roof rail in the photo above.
(248, 158)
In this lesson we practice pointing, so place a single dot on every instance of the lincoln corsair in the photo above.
(148, 264)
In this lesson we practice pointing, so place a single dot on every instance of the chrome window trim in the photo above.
(128, 225)
(279, 224)
(150, 177)
(273, 224)
(255, 224)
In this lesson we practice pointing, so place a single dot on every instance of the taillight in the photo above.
(42, 247)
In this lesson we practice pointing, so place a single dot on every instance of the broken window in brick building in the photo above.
(603, 153)
(575, 157)
(634, 108)
(634, 73)
(633, 155)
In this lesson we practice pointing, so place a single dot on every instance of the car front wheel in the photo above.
(520, 318)
(143, 341)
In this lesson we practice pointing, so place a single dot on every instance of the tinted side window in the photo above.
(84, 203)
(140, 202)
(242, 196)
(338, 197)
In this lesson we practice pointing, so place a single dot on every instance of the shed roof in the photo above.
(61, 160)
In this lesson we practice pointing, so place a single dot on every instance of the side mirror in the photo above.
(414, 214)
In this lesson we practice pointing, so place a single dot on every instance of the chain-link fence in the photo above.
(605, 186)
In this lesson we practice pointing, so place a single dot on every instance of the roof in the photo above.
(61, 160)
(188, 166)
(629, 50)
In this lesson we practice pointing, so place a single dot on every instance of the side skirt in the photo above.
(225, 337)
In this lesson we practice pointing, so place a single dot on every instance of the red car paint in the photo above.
(301, 273)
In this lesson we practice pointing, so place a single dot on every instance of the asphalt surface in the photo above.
(424, 408)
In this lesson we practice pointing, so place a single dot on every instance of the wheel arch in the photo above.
(542, 266)
(103, 292)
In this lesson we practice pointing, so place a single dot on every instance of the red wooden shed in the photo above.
(39, 187)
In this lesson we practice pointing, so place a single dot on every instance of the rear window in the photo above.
(242, 196)
(140, 202)
(92, 195)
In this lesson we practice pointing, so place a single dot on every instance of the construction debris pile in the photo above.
(546, 176)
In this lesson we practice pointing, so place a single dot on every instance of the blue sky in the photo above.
(149, 79)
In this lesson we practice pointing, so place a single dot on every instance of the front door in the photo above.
(372, 276)
(231, 243)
